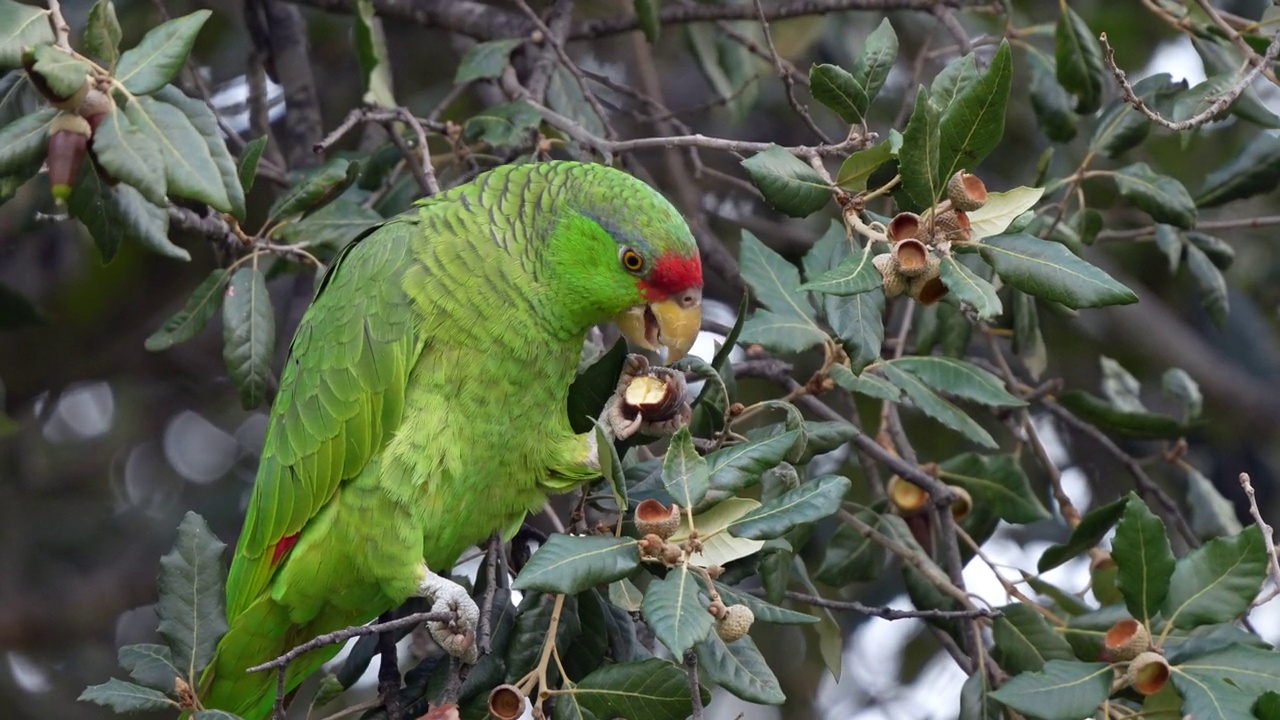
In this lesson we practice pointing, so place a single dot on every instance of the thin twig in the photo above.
(1231, 224)
(61, 29)
(554, 39)
(345, 634)
(1219, 104)
(887, 613)
(1267, 537)
(695, 690)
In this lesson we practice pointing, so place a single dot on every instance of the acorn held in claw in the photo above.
(68, 142)
(653, 397)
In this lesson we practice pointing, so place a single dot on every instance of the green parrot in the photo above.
(423, 403)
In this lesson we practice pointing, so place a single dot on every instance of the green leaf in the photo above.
(564, 95)
(486, 60)
(332, 226)
(787, 182)
(849, 556)
(1223, 60)
(811, 501)
(1079, 59)
(1064, 690)
(197, 164)
(651, 689)
(1212, 515)
(973, 124)
(834, 87)
(1049, 270)
(321, 186)
(204, 302)
(850, 94)
(954, 79)
(674, 611)
(1092, 528)
(1268, 706)
(684, 471)
(998, 483)
(21, 25)
(1219, 251)
(960, 378)
(506, 125)
(1216, 582)
(102, 33)
(719, 547)
(125, 697)
(18, 97)
(192, 614)
(1049, 100)
(967, 287)
(131, 155)
(249, 335)
(857, 169)
(920, 156)
(855, 274)
(788, 324)
(1160, 196)
(1138, 425)
(25, 141)
(975, 700)
(248, 170)
(865, 384)
(739, 466)
(114, 214)
(739, 668)
(727, 66)
(1213, 287)
(858, 321)
(1122, 128)
(151, 665)
(764, 612)
(1141, 550)
(371, 51)
(1025, 641)
(1028, 341)
(571, 564)
(1169, 240)
(1254, 170)
(1000, 210)
(649, 13)
(593, 387)
(935, 407)
(1180, 386)
(216, 715)
(63, 74)
(156, 60)
(1225, 685)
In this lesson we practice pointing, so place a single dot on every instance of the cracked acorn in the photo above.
(654, 397)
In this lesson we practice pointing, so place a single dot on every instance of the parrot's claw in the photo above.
(674, 409)
(458, 636)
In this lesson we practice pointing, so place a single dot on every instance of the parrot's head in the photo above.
(639, 263)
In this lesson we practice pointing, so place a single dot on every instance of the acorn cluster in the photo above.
(71, 133)
(912, 265)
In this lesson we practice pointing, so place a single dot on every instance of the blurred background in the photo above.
(105, 445)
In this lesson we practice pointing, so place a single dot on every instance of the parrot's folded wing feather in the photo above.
(340, 400)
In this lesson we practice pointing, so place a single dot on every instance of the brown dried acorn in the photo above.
(68, 142)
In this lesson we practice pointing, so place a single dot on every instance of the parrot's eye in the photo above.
(632, 260)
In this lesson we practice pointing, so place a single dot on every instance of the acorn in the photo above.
(966, 191)
(907, 498)
(652, 545)
(654, 518)
(506, 702)
(1127, 639)
(1148, 672)
(952, 225)
(928, 288)
(656, 398)
(68, 142)
(672, 554)
(734, 623)
(904, 225)
(963, 504)
(894, 282)
(911, 257)
(95, 108)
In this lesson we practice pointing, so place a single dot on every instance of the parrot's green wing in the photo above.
(340, 400)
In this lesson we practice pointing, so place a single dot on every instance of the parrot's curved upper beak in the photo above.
(672, 323)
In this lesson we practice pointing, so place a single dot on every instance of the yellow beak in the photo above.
(672, 324)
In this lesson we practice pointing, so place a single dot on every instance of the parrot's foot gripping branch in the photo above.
(457, 637)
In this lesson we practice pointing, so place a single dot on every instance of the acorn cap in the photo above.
(1127, 639)
(966, 191)
(71, 123)
(734, 623)
(911, 256)
(652, 517)
(894, 282)
(904, 225)
(952, 225)
(1148, 672)
(506, 702)
(928, 287)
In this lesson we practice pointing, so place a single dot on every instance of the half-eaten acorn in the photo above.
(655, 397)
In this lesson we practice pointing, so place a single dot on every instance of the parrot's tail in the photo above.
(258, 635)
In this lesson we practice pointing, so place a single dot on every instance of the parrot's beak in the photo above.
(672, 324)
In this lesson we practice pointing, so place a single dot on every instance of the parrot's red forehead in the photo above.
(672, 273)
